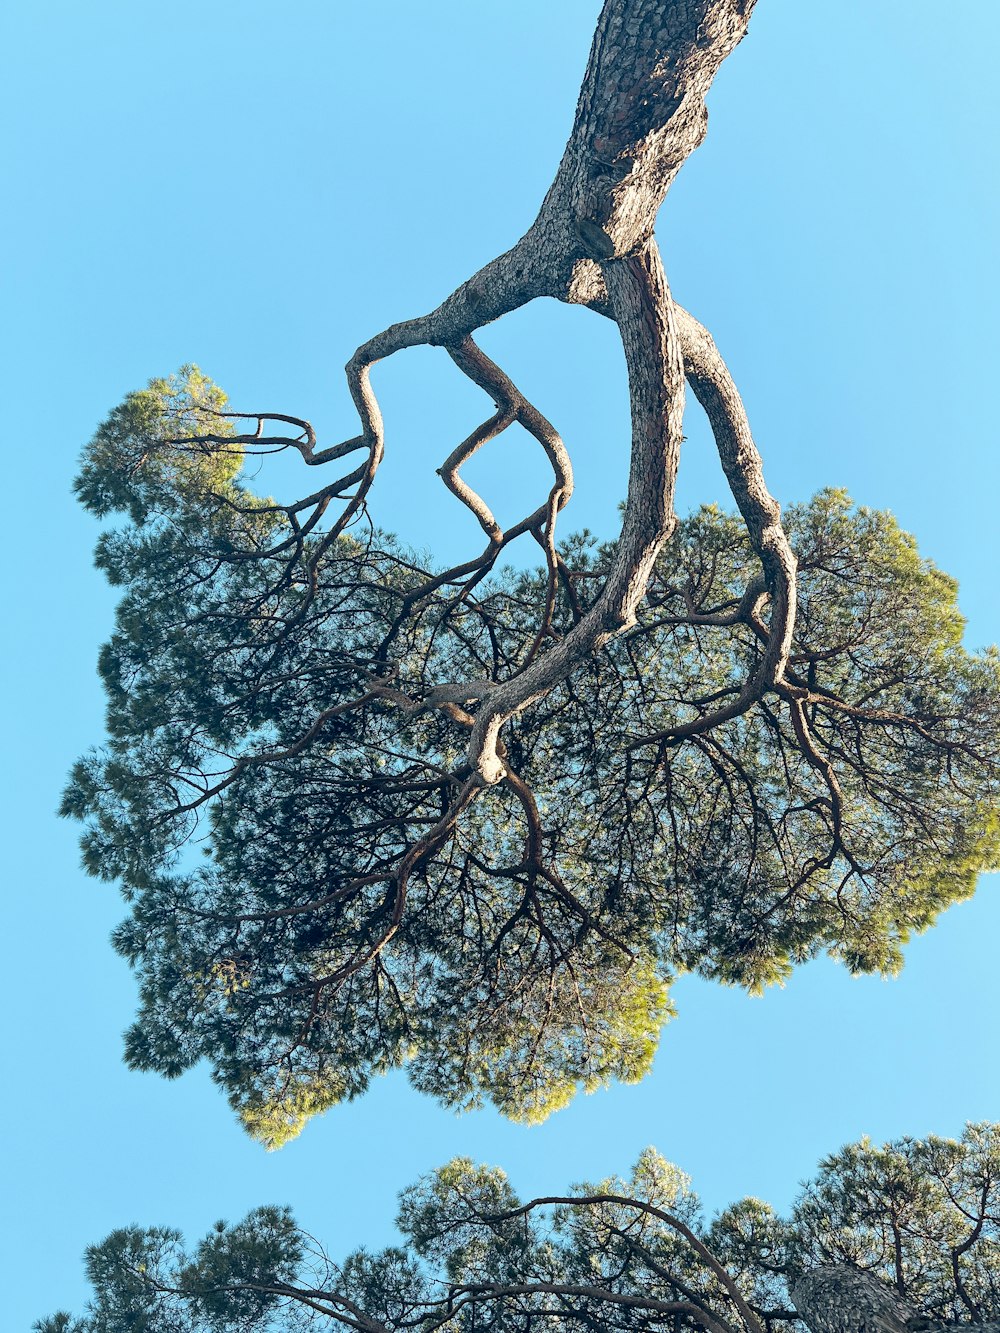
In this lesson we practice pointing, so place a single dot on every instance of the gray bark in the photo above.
(842, 1299)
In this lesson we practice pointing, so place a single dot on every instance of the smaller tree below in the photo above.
(906, 1236)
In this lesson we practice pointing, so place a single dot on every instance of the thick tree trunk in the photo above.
(641, 113)
(841, 1299)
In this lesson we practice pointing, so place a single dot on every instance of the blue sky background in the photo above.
(260, 191)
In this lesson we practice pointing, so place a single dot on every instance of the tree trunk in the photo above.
(841, 1299)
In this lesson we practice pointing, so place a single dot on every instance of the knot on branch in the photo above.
(772, 537)
(597, 243)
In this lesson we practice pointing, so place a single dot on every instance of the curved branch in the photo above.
(498, 1291)
(713, 386)
(709, 378)
(661, 1215)
(640, 300)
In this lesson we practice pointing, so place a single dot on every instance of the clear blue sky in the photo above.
(259, 191)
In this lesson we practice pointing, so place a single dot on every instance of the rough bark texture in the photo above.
(641, 113)
(841, 1299)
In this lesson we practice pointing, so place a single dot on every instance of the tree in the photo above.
(474, 820)
(909, 1232)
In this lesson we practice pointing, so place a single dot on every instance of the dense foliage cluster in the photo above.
(319, 889)
(921, 1215)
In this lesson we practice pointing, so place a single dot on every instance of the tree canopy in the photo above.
(912, 1226)
(372, 812)
(320, 888)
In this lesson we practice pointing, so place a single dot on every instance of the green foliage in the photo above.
(132, 1273)
(313, 900)
(237, 1274)
(274, 1119)
(60, 1322)
(235, 1281)
(442, 1219)
(150, 456)
(922, 1215)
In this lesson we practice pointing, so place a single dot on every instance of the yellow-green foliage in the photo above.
(281, 1115)
(163, 446)
(621, 1037)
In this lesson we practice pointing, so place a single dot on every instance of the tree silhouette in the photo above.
(473, 820)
